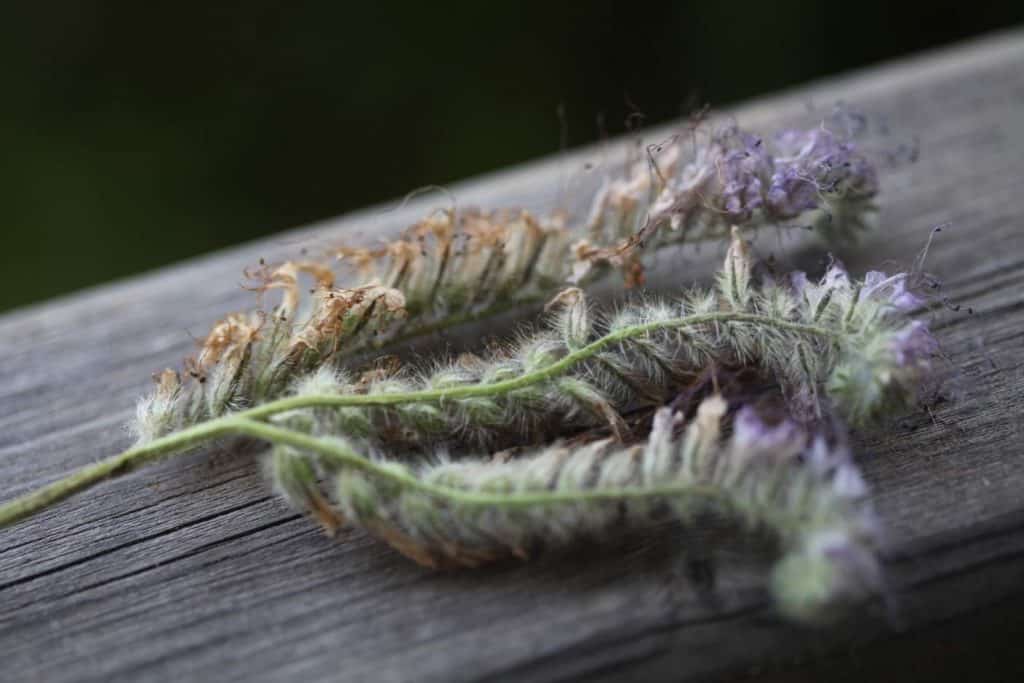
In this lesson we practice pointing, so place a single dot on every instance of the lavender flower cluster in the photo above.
(699, 186)
(808, 167)
(804, 170)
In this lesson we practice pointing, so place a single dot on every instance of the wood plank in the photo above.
(190, 569)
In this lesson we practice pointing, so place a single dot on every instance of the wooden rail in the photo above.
(190, 570)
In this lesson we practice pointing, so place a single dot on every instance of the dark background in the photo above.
(132, 136)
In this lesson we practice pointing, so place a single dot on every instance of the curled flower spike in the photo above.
(833, 345)
(779, 480)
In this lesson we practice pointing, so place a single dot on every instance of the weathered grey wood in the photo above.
(190, 570)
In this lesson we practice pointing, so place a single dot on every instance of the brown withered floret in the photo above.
(341, 312)
(286, 277)
(470, 257)
(227, 344)
(624, 256)
(168, 383)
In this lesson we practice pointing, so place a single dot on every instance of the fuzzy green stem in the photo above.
(340, 454)
(560, 367)
(114, 466)
(242, 422)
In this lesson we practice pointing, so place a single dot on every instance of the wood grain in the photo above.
(190, 570)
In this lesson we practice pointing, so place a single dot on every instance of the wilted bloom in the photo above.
(893, 290)
(742, 169)
(286, 278)
(813, 164)
(337, 313)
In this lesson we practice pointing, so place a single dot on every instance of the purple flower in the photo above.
(811, 163)
(791, 193)
(755, 439)
(737, 178)
(741, 169)
(914, 344)
(892, 289)
(835, 278)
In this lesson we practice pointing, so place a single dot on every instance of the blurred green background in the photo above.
(134, 135)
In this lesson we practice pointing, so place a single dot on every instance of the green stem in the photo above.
(340, 454)
(557, 368)
(241, 422)
(114, 466)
